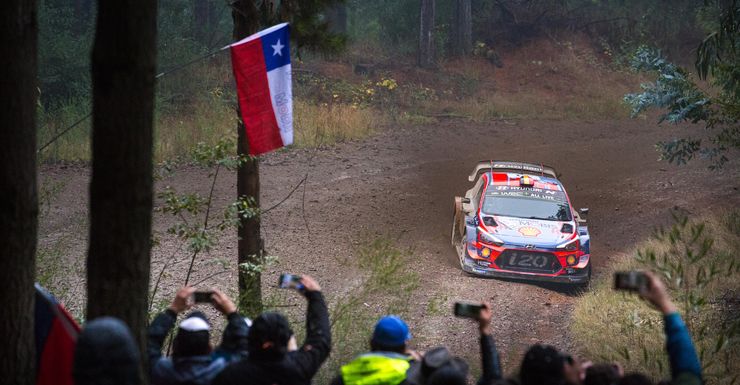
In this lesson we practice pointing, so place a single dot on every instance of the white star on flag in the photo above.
(278, 48)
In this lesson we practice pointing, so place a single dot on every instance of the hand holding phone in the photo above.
(290, 281)
(203, 296)
(468, 310)
(633, 281)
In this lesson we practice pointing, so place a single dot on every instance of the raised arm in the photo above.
(164, 322)
(490, 361)
(685, 365)
(317, 345)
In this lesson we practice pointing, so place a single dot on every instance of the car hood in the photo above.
(530, 231)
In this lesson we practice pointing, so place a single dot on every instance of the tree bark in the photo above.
(426, 58)
(123, 69)
(18, 206)
(461, 39)
(249, 250)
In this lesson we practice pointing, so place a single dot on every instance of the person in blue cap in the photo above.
(389, 358)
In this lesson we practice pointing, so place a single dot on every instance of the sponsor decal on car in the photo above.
(529, 231)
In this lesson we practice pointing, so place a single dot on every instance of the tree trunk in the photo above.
(461, 34)
(246, 22)
(426, 57)
(18, 206)
(123, 69)
(337, 17)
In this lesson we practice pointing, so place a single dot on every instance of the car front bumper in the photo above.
(579, 276)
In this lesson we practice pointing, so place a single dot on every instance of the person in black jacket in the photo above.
(193, 361)
(269, 362)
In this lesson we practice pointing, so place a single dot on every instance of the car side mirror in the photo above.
(583, 211)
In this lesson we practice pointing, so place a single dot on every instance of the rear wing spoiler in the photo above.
(507, 166)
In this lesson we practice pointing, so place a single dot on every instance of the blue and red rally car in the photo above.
(517, 222)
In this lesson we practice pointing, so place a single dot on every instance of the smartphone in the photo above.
(202, 296)
(630, 281)
(467, 309)
(290, 281)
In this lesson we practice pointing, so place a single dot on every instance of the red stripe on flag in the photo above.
(255, 102)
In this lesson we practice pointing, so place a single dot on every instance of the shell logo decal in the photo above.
(529, 231)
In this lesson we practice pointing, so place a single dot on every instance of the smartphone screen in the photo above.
(290, 281)
(202, 296)
(467, 310)
(629, 280)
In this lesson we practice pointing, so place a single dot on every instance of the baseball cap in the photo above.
(391, 331)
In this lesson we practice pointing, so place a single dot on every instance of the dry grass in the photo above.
(326, 124)
(614, 326)
(208, 122)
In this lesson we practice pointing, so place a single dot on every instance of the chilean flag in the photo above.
(56, 336)
(261, 65)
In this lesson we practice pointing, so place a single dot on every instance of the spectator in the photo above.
(603, 374)
(269, 360)
(389, 359)
(545, 365)
(106, 354)
(437, 359)
(685, 365)
(192, 361)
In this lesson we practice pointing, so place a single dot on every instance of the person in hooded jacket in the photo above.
(269, 360)
(193, 361)
(106, 354)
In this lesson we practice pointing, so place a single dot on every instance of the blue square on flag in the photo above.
(275, 48)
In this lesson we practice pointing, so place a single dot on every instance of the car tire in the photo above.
(458, 241)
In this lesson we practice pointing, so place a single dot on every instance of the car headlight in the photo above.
(489, 239)
(569, 246)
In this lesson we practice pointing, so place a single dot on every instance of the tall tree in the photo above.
(18, 206)
(461, 33)
(246, 22)
(123, 69)
(426, 57)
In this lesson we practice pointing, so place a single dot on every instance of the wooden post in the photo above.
(246, 22)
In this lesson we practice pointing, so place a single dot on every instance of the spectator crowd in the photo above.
(265, 352)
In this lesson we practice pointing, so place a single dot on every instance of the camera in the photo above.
(290, 281)
(468, 310)
(202, 296)
(630, 281)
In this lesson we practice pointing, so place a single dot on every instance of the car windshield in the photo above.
(526, 203)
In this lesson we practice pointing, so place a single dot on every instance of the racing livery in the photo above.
(517, 222)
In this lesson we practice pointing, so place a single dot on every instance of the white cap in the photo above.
(194, 324)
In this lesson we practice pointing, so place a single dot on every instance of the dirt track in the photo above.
(402, 183)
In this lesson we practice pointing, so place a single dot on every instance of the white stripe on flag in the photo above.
(281, 97)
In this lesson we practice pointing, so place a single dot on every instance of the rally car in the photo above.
(517, 222)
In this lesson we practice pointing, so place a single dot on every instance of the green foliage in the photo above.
(193, 211)
(698, 262)
(691, 265)
(719, 56)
